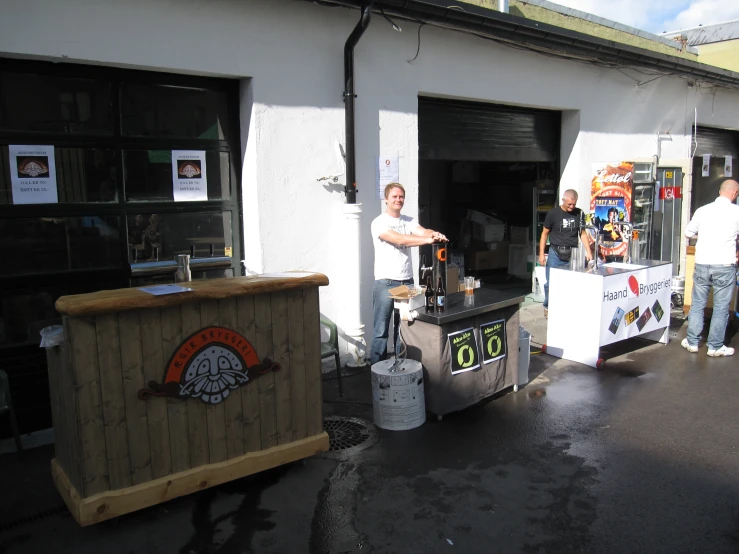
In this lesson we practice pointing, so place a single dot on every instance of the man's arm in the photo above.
(585, 238)
(691, 231)
(542, 244)
(406, 240)
(423, 232)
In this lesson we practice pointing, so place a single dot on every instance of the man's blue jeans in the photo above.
(553, 261)
(721, 278)
(382, 305)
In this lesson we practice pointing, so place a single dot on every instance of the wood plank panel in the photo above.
(250, 391)
(114, 409)
(68, 404)
(179, 444)
(156, 410)
(215, 413)
(281, 352)
(89, 405)
(197, 423)
(314, 393)
(233, 408)
(297, 363)
(132, 371)
(263, 346)
(54, 366)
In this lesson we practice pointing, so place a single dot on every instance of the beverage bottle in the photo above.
(440, 297)
(430, 296)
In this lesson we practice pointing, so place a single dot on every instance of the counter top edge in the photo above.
(119, 300)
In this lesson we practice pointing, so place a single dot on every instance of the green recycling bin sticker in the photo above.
(463, 349)
(493, 340)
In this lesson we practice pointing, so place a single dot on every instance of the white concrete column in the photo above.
(350, 306)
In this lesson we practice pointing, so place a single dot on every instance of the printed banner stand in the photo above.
(463, 349)
(189, 176)
(610, 202)
(493, 340)
(33, 174)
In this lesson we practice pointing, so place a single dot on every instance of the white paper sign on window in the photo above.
(706, 167)
(189, 179)
(33, 174)
(388, 171)
(728, 166)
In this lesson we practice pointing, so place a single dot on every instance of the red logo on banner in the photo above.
(670, 193)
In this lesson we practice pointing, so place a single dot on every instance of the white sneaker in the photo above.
(723, 351)
(687, 346)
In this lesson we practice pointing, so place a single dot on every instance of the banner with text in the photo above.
(493, 340)
(635, 303)
(463, 349)
(33, 174)
(610, 204)
(189, 178)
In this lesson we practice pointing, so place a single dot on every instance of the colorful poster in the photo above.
(189, 177)
(33, 174)
(463, 350)
(610, 204)
(493, 341)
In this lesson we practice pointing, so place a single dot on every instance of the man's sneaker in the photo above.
(690, 348)
(546, 313)
(723, 351)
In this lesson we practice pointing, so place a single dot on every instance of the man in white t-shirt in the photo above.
(393, 235)
(717, 226)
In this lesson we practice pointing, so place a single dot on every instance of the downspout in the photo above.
(351, 288)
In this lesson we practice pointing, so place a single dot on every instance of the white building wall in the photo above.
(288, 56)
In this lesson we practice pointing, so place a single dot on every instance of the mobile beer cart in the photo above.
(155, 397)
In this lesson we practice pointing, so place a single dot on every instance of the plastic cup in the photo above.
(469, 286)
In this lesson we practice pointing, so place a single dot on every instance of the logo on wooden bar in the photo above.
(208, 365)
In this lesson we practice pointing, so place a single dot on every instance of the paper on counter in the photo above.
(621, 265)
(288, 275)
(161, 290)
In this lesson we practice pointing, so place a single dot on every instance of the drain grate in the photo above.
(347, 435)
(31, 519)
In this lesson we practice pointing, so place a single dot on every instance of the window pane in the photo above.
(163, 236)
(44, 244)
(173, 112)
(44, 103)
(82, 175)
(149, 175)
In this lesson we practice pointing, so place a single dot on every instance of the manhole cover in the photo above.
(348, 435)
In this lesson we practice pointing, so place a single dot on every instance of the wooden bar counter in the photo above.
(155, 397)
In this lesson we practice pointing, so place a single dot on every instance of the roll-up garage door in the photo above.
(472, 131)
(717, 142)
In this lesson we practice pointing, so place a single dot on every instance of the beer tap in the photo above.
(424, 269)
(626, 230)
(596, 237)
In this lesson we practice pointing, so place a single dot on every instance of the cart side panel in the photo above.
(249, 392)
(114, 409)
(311, 325)
(197, 428)
(228, 313)
(281, 351)
(296, 352)
(266, 383)
(215, 413)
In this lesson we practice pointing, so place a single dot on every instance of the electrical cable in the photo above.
(418, 50)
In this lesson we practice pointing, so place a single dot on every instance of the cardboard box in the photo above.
(519, 235)
(413, 296)
(482, 219)
(488, 259)
(487, 233)
(518, 260)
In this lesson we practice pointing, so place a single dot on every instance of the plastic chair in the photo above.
(6, 405)
(331, 347)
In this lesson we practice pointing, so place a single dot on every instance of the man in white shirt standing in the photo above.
(717, 226)
(393, 235)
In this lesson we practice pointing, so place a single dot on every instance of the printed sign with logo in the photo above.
(463, 351)
(610, 203)
(189, 180)
(633, 301)
(493, 340)
(208, 365)
(388, 171)
(33, 174)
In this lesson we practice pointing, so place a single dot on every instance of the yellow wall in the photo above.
(721, 54)
(536, 13)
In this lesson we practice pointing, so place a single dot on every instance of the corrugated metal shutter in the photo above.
(471, 131)
(717, 142)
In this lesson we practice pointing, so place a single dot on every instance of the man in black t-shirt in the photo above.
(561, 226)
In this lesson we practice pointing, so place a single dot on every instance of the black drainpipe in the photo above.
(350, 189)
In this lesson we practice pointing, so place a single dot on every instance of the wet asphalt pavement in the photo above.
(642, 456)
